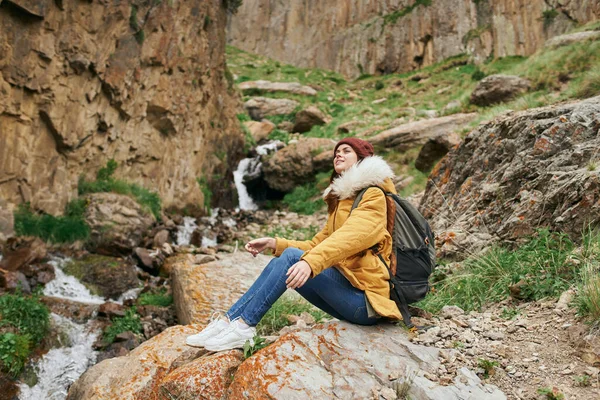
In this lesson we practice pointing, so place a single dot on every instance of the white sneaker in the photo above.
(234, 337)
(211, 330)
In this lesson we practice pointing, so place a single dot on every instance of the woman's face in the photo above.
(344, 158)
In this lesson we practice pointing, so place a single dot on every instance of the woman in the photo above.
(337, 271)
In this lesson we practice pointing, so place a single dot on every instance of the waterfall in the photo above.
(251, 166)
(245, 201)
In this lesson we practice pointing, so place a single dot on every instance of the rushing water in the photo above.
(67, 286)
(184, 232)
(60, 367)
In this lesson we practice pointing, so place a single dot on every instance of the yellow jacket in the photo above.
(344, 243)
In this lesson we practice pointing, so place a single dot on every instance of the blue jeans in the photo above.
(330, 291)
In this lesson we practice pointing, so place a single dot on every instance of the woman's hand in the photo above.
(298, 274)
(259, 245)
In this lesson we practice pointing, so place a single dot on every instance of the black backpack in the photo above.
(413, 243)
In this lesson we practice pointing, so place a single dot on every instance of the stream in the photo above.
(60, 367)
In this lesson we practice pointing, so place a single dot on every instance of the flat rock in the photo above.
(201, 290)
(570, 38)
(414, 134)
(260, 107)
(288, 87)
(346, 361)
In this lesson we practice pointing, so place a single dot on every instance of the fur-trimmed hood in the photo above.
(371, 171)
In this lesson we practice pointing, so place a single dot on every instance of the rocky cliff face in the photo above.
(142, 82)
(520, 172)
(354, 36)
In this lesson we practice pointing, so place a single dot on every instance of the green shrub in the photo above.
(14, 351)
(155, 298)
(538, 266)
(232, 5)
(25, 313)
(379, 85)
(29, 321)
(477, 75)
(65, 229)
(302, 200)
(106, 183)
(130, 322)
(548, 16)
(275, 319)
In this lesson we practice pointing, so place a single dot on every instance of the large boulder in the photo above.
(332, 360)
(434, 149)
(201, 290)
(309, 117)
(414, 134)
(260, 107)
(288, 87)
(498, 89)
(117, 223)
(346, 361)
(109, 277)
(20, 252)
(523, 171)
(139, 374)
(293, 165)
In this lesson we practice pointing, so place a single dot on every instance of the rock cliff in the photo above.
(520, 172)
(143, 82)
(356, 36)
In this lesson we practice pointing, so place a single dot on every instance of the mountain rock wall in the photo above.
(141, 82)
(384, 36)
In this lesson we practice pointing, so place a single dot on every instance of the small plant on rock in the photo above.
(130, 322)
(582, 380)
(551, 394)
(487, 366)
(249, 349)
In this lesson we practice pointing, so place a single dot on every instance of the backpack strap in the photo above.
(395, 295)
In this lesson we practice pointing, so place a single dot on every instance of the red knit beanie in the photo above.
(362, 148)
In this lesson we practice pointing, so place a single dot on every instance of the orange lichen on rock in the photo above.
(207, 377)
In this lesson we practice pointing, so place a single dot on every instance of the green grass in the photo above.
(274, 320)
(556, 75)
(588, 293)
(24, 322)
(303, 199)
(63, 229)
(155, 298)
(106, 183)
(130, 322)
(539, 266)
